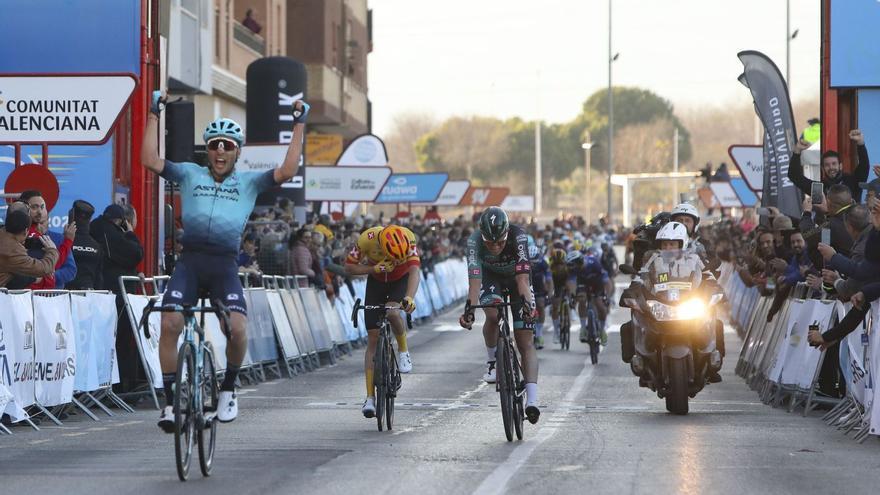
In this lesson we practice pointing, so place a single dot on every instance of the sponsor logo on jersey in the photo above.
(217, 190)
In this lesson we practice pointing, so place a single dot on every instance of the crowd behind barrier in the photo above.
(777, 361)
(57, 348)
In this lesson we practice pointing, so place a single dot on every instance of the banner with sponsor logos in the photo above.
(727, 197)
(16, 353)
(366, 150)
(94, 324)
(451, 193)
(17, 347)
(519, 203)
(746, 196)
(55, 358)
(484, 196)
(413, 188)
(345, 183)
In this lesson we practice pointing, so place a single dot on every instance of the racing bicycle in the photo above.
(386, 374)
(196, 391)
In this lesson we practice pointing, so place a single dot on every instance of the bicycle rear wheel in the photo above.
(379, 373)
(184, 419)
(564, 326)
(207, 433)
(504, 379)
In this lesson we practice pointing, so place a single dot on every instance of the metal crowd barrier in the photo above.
(291, 330)
(777, 361)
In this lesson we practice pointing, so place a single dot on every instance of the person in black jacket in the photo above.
(122, 249)
(832, 172)
(87, 252)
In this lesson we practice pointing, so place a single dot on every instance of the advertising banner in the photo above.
(94, 324)
(413, 188)
(17, 347)
(519, 203)
(149, 346)
(749, 159)
(772, 104)
(55, 357)
(345, 183)
(364, 151)
(746, 196)
(484, 196)
(727, 197)
(261, 157)
(324, 149)
(451, 194)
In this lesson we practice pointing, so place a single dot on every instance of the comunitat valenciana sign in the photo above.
(62, 109)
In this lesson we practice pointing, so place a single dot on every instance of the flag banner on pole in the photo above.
(773, 107)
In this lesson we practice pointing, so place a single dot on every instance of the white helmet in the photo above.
(674, 231)
(573, 256)
(686, 209)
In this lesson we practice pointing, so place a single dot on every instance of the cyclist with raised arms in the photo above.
(216, 201)
(498, 262)
(389, 257)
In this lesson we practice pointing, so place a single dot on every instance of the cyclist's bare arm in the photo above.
(412, 282)
(524, 287)
(291, 161)
(356, 269)
(150, 145)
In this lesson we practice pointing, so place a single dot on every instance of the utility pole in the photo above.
(538, 195)
(610, 119)
(588, 197)
(675, 199)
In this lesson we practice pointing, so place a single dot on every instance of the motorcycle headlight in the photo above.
(689, 310)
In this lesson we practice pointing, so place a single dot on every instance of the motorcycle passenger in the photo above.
(587, 278)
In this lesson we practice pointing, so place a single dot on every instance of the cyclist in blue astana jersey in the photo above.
(498, 263)
(217, 201)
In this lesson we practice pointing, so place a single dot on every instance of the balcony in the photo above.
(248, 38)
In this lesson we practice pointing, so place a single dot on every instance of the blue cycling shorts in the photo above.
(196, 273)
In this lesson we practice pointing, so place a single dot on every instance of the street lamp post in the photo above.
(610, 119)
(589, 196)
(789, 35)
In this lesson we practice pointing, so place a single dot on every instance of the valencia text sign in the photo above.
(749, 159)
(66, 109)
(412, 188)
(349, 184)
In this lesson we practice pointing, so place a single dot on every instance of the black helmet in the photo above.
(494, 224)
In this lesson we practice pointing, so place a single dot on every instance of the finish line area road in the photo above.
(598, 433)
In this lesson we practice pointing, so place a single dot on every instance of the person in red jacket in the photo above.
(39, 227)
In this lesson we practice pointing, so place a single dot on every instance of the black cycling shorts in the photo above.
(196, 273)
(379, 293)
(539, 286)
(493, 289)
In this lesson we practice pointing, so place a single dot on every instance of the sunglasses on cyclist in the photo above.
(227, 144)
(499, 242)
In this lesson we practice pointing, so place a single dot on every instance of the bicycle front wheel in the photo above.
(379, 375)
(184, 419)
(207, 435)
(517, 395)
(593, 335)
(393, 381)
(504, 379)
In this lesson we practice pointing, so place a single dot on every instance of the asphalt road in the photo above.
(599, 433)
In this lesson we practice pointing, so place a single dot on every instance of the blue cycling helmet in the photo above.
(535, 253)
(224, 127)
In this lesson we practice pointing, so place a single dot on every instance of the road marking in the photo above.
(38, 442)
(497, 481)
(74, 434)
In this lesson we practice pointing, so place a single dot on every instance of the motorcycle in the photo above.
(672, 348)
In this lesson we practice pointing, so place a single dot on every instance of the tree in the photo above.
(400, 143)
(472, 147)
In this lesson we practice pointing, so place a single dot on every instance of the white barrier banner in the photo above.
(790, 340)
(17, 338)
(94, 323)
(149, 346)
(55, 350)
(875, 367)
(9, 406)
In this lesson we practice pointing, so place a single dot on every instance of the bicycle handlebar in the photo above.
(216, 307)
(358, 306)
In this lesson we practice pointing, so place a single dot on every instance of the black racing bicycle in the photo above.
(508, 383)
(386, 374)
(196, 392)
(593, 328)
